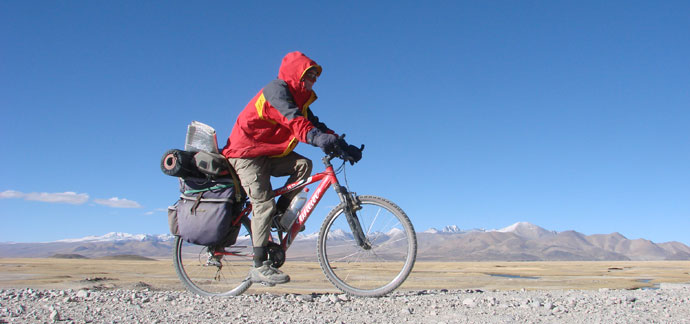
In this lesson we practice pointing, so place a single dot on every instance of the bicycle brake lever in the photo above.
(345, 155)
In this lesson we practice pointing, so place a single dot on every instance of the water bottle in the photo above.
(292, 212)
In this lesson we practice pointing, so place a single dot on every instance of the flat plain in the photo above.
(57, 273)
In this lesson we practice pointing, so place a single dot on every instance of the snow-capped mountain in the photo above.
(339, 234)
(528, 230)
(307, 237)
(524, 241)
(521, 241)
(452, 229)
(395, 232)
(524, 229)
(119, 236)
(520, 228)
(448, 229)
(335, 234)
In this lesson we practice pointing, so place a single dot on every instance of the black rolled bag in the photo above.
(187, 164)
(179, 163)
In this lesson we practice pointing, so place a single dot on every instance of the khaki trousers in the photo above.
(255, 176)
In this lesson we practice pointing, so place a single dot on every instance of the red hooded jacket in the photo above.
(278, 117)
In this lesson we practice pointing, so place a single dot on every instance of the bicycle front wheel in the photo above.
(374, 271)
(215, 274)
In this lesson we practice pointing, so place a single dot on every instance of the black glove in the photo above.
(354, 154)
(326, 142)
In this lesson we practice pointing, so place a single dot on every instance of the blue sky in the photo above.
(568, 115)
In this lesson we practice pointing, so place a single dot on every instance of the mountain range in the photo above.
(521, 241)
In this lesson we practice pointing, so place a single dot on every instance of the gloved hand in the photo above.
(354, 154)
(327, 142)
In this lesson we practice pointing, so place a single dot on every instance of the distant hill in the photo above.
(528, 242)
(149, 249)
(126, 257)
(521, 241)
(68, 256)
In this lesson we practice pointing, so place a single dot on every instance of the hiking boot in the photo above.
(267, 274)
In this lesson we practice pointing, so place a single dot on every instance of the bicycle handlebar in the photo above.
(340, 151)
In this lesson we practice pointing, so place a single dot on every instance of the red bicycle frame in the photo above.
(327, 179)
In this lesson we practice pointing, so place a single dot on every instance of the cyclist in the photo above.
(261, 145)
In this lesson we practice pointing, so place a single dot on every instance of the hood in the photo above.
(291, 71)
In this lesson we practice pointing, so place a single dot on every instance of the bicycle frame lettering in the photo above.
(327, 179)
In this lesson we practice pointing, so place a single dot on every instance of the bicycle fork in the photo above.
(352, 205)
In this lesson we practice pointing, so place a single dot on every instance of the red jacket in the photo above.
(278, 117)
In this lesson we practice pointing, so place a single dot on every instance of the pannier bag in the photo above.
(204, 213)
(172, 219)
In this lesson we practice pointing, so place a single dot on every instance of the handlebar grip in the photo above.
(341, 150)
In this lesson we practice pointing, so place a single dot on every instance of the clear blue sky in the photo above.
(566, 114)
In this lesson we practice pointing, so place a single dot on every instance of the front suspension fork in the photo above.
(352, 205)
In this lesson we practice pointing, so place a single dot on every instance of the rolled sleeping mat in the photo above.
(179, 163)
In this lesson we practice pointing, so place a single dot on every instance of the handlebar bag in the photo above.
(204, 212)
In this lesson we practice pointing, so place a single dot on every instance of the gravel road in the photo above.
(668, 304)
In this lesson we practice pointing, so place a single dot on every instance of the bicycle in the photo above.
(366, 245)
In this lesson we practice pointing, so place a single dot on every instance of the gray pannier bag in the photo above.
(172, 219)
(205, 212)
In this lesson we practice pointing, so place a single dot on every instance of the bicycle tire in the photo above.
(192, 266)
(379, 270)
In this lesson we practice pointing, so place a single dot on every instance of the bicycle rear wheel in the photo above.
(220, 275)
(368, 272)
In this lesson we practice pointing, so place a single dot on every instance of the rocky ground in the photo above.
(668, 304)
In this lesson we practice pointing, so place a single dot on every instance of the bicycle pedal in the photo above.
(267, 284)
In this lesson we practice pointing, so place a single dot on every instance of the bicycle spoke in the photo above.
(220, 274)
(373, 221)
(398, 240)
(382, 267)
(347, 256)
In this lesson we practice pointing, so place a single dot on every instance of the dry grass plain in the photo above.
(53, 273)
